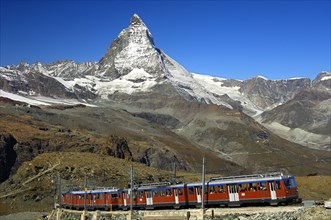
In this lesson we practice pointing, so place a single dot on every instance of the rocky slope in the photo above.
(306, 119)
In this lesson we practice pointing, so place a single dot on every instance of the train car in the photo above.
(107, 199)
(271, 188)
(194, 194)
(153, 195)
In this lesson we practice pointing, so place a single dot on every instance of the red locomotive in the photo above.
(269, 188)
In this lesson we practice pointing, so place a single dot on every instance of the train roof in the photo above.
(213, 181)
(150, 186)
(100, 190)
(245, 179)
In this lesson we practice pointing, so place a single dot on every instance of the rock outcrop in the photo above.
(7, 155)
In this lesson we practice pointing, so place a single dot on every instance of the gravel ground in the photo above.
(23, 216)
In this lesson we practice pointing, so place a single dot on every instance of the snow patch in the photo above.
(295, 78)
(41, 100)
(262, 77)
(326, 78)
(216, 86)
(21, 98)
(138, 74)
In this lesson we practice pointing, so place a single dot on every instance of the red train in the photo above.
(269, 188)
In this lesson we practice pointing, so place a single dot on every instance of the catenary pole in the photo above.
(131, 191)
(85, 189)
(55, 189)
(175, 173)
(60, 189)
(203, 184)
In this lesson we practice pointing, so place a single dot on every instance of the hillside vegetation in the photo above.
(32, 187)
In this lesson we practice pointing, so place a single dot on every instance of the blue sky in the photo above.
(231, 39)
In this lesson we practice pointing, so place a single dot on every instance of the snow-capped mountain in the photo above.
(134, 65)
(131, 64)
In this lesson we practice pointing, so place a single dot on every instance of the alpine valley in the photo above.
(138, 104)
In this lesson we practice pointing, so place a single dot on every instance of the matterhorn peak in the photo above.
(132, 49)
(136, 20)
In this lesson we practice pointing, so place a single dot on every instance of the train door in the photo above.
(272, 190)
(198, 192)
(149, 198)
(108, 198)
(176, 196)
(233, 193)
(125, 195)
(90, 200)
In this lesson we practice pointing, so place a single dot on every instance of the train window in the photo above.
(155, 193)
(242, 187)
(162, 192)
(114, 196)
(293, 183)
(252, 187)
(141, 194)
(198, 189)
(288, 183)
(212, 189)
(221, 189)
(262, 186)
(180, 192)
(191, 191)
(168, 192)
(277, 186)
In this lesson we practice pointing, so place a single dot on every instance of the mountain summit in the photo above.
(135, 20)
(132, 49)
